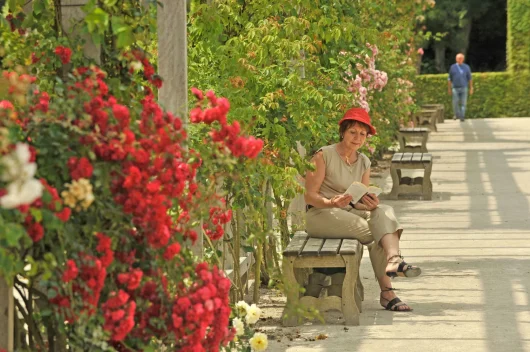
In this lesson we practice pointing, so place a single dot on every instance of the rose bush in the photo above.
(100, 236)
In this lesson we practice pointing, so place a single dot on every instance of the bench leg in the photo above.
(424, 143)
(395, 183)
(402, 142)
(292, 291)
(427, 184)
(350, 310)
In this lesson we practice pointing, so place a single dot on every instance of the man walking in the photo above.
(457, 84)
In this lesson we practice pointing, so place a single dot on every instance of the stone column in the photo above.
(173, 68)
(7, 316)
(72, 15)
(172, 56)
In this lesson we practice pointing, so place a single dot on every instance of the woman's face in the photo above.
(355, 136)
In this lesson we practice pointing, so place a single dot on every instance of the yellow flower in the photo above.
(69, 199)
(89, 199)
(259, 342)
(77, 190)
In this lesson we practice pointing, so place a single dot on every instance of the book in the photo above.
(357, 190)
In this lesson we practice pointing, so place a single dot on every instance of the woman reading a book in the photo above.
(336, 210)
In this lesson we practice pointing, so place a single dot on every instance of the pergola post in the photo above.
(173, 67)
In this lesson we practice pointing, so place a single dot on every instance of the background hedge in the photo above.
(497, 94)
(518, 46)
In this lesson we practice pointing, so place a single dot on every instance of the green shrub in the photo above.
(518, 46)
(497, 94)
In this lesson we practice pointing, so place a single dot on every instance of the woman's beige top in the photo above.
(340, 175)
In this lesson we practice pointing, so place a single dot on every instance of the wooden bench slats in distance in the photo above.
(397, 157)
(349, 246)
(427, 158)
(414, 130)
(331, 246)
(406, 157)
(312, 246)
(296, 244)
(416, 157)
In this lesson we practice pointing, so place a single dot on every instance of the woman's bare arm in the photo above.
(313, 181)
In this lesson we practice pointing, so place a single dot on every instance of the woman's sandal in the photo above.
(404, 269)
(394, 304)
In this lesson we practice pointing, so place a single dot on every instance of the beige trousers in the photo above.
(368, 227)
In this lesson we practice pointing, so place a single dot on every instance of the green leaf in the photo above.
(123, 32)
(37, 214)
(12, 5)
(13, 234)
(38, 6)
(46, 312)
(97, 21)
(110, 3)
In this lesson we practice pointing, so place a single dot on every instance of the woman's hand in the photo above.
(371, 201)
(341, 201)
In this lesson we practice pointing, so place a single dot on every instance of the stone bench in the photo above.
(405, 135)
(301, 257)
(407, 185)
(426, 118)
(439, 107)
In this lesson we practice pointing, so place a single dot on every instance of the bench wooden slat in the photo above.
(414, 130)
(297, 243)
(416, 157)
(406, 157)
(312, 246)
(331, 246)
(426, 158)
(349, 246)
(397, 157)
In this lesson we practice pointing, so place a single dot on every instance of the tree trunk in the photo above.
(439, 52)
(465, 38)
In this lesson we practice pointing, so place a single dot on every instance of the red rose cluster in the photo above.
(218, 217)
(149, 70)
(118, 311)
(228, 134)
(80, 168)
(64, 54)
(200, 316)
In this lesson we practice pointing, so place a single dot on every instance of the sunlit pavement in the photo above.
(473, 244)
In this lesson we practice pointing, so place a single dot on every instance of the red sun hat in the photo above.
(359, 114)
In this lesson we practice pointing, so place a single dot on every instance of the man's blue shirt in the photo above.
(459, 75)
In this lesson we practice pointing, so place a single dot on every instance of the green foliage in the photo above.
(518, 46)
(497, 94)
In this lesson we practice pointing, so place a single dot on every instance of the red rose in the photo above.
(132, 279)
(121, 113)
(80, 168)
(64, 54)
(171, 251)
(64, 214)
(71, 271)
(36, 231)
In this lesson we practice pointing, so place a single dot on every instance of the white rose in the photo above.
(259, 342)
(253, 313)
(242, 308)
(20, 193)
(239, 326)
(16, 166)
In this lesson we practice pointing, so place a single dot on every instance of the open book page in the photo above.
(357, 190)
